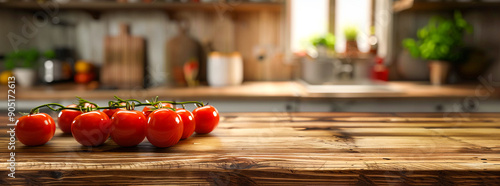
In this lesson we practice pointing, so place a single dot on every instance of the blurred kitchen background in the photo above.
(256, 55)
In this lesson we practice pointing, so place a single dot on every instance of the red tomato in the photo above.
(206, 118)
(66, 117)
(165, 128)
(91, 128)
(128, 127)
(188, 121)
(148, 109)
(35, 129)
(110, 112)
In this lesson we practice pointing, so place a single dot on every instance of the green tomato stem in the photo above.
(49, 105)
(130, 105)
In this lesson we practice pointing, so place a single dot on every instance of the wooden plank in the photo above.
(258, 37)
(325, 125)
(255, 177)
(301, 161)
(283, 149)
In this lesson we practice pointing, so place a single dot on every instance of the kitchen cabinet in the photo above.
(284, 149)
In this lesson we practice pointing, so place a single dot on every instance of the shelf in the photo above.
(416, 5)
(107, 5)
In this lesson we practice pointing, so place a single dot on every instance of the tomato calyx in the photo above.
(130, 106)
(86, 105)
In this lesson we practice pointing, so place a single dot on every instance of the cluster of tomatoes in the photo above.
(163, 125)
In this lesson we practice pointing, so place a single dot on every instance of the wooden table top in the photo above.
(256, 90)
(283, 149)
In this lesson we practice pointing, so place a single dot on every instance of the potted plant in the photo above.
(23, 63)
(351, 45)
(325, 45)
(440, 42)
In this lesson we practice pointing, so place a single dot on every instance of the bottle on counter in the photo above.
(379, 70)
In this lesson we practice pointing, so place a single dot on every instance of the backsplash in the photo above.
(250, 33)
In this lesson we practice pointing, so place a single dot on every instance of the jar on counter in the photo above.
(224, 69)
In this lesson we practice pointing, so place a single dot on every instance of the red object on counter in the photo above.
(128, 127)
(83, 78)
(164, 128)
(35, 129)
(148, 109)
(91, 128)
(188, 121)
(206, 119)
(66, 117)
(379, 70)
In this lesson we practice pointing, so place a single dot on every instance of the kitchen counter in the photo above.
(286, 96)
(284, 148)
(257, 90)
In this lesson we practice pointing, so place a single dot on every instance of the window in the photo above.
(352, 13)
(307, 19)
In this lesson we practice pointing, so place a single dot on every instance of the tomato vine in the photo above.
(86, 106)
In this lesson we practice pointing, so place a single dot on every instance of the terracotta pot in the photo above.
(439, 71)
(351, 48)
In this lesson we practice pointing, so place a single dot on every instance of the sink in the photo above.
(350, 87)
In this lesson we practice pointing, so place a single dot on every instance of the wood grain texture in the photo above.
(284, 149)
(123, 54)
(288, 90)
(258, 37)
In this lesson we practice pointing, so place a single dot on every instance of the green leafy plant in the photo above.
(49, 54)
(21, 58)
(327, 40)
(351, 33)
(441, 39)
